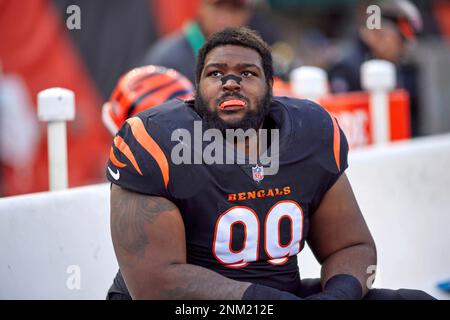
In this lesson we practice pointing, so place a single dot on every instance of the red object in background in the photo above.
(36, 46)
(352, 111)
(171, 15)
(441, 11)
(281, 87)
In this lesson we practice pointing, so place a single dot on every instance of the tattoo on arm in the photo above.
(133, 211)
(133, 217)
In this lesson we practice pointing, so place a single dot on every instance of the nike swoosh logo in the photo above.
(115, 175)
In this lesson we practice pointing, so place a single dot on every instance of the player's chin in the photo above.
(232, 118)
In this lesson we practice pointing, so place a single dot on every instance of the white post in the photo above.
(56, 106)
(309, 82)
(378, 77)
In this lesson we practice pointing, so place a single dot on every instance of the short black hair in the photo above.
(240, 36)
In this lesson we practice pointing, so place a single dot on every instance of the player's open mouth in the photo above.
(232, 105)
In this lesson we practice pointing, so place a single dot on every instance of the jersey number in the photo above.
(275, 250)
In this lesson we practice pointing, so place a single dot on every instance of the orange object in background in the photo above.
(353, 114)
(171, 15)
(281, 88)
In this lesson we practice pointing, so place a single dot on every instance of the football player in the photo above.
(229, 231)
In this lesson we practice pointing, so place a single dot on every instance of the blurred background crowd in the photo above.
(39, 49)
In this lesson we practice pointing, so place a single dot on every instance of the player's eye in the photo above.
(247, 74)
(215, 73)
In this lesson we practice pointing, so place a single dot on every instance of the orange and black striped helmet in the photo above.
(140, 89)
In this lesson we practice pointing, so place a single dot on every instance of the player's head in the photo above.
(140, 89)
(400, 23)
(234, 80)
(216, 15)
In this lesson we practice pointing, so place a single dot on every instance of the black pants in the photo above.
(313, 286)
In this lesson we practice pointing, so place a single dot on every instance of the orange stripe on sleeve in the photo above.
(114, 160)
(125, 149)
(147, 142)
(336, 141)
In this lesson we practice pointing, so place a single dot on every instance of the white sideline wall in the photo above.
(44, 235)
(402, 189)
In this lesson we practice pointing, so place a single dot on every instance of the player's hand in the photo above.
(340, 287)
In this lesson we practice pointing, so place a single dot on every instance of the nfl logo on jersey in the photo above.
(258, 173)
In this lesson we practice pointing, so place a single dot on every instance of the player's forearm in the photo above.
(187, 281)
(354, 260)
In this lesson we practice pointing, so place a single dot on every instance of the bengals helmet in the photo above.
(140, 89)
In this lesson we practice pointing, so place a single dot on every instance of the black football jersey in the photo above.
(239, 222)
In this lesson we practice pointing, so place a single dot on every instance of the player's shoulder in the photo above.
(153, 128)
(302, 108)
(143, 146)
(307, 118)
(163, 119)
(175, 108)
(315, 134)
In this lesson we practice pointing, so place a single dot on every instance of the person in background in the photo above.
(179, 51)
(400, 24)
(140, 89)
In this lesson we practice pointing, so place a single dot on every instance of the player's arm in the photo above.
(149, 242)
(341, 240)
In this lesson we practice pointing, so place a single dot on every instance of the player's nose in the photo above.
(231, 84)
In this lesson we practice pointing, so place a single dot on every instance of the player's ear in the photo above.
(270, 82)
